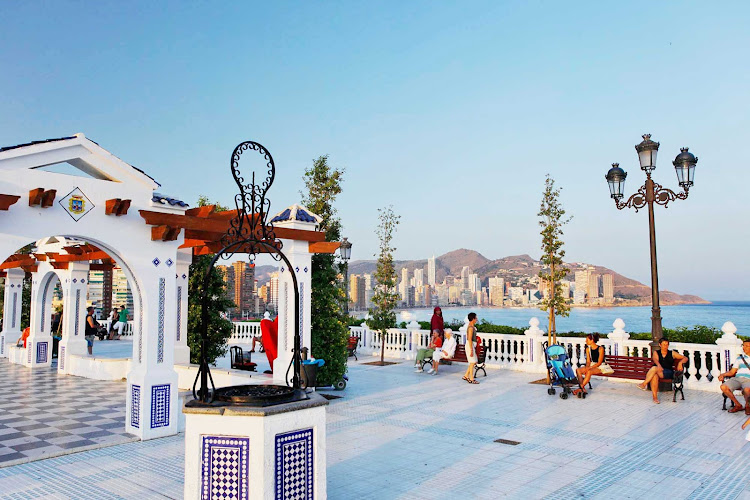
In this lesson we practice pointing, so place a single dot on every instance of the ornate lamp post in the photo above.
(647, 195)
(346, 254)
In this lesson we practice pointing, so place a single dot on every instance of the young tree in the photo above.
(219, 328)
(329, 330)
(552, 219)
(385, 298)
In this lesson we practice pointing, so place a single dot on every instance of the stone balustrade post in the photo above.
(535, 337)
(412, 340)
(618, 336)
(730, 345)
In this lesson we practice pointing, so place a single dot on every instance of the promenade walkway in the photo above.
(397, 434)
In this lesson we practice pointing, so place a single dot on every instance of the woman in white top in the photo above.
(471, 353)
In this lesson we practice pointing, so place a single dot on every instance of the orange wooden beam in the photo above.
(323, 247)
(83, 257)
(123, 208)
(6, 200)
(204, 211)
(31, 268)
(60, 265)
(35, 196)
(164, 233)
(40, 256)
(101, 267)
(116, 207)
(17, 263)
(48, 198)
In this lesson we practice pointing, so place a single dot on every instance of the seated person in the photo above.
(595, 363)
(255, 340)
(663, 368)
(21, 342)
(425, 353)
(741, 380)
(446, 351)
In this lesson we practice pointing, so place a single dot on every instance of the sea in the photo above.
(600, 319)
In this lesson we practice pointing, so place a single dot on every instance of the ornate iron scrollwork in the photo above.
(662, 196)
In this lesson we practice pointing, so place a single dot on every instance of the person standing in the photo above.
(111, 322)
(471, 350)
(436, 323)
(92, 325)
(122, 321)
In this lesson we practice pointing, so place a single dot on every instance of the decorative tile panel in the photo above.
(76, 204)
(285, 317)
(160, 325)
(179, 311)
(135, 406)
(28, 352)
(301, 309)
(225, 467)
(61, 359)
(77, 325)
(160, 406)
(294, 465)
(15, 309)
(156, 262)
(41, 352)
(169, 262)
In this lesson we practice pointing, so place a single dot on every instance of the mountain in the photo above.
(521, 268)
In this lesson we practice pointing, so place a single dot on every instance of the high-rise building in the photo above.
(404, 285)
(431, 271)
(565, 287)
(608, 284)
(475, 284)
(582, 285)
(593, 287)
(465, 272)
(449, 281)
(244, 285)
(418, 278)
(273, 293)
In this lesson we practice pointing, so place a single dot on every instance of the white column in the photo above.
(11, 309)
(730, 345)
(39, 343)
(152, 397)
(535, 356)
(412, 340)
(618, 337)
(182, 276)
(300, 258)
(74, 285)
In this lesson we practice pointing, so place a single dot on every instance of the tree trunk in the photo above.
(382, 348)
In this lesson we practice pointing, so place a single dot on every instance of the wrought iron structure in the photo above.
(346, 253)
(250, 232)
(648, 194)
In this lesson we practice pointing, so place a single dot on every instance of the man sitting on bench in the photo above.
(740, 381)
(445, 352)
(424, 353)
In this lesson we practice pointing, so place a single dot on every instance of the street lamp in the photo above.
(346, 252)
(647, 195)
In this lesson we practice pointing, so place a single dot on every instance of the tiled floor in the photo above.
(43, 414)
(397, 434)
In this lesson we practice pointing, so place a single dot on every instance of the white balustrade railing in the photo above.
(243, 332)
(525, 352)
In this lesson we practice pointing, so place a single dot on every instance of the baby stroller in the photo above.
(560, 372)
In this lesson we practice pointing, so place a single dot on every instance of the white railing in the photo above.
(525, 352)
(243, 332)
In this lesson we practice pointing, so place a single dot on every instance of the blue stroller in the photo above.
(560, 372)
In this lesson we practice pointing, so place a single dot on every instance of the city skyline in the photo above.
(452, 113)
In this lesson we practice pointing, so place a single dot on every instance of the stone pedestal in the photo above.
(535, 361)
(618, 336)
(276, 452)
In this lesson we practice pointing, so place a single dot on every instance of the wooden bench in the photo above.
(238, 361)
(351, 347)
(460, 357)
(636, 367)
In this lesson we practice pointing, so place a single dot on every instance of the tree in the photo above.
(385, 298)
(329, 329)
(552, 219)
(219, 328)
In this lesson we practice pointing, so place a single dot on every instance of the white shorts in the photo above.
(437, 355)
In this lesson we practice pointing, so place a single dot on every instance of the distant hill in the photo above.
(519, 267)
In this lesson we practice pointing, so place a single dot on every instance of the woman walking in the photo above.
(471, 352)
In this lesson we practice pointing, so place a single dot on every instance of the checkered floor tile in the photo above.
(44, 414)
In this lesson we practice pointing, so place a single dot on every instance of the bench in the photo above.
(460, 357)
(351, 347)
(636, 367)
(238, 361)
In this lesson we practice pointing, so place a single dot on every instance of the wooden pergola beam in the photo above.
(59, 265)
(164, 233)
(35, 196)
(48, 198)
(116, 207)
(82, 257)
(6, 200)
(323, 247)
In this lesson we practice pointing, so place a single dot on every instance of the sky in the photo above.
(451, 112)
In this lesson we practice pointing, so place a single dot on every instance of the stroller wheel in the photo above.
(341, 385)
(563, 395)
(551, 391)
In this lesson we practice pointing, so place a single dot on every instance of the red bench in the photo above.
(636, 367)
(238, 360)
(460, 357)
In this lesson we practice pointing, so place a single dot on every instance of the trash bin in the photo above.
(309, 371)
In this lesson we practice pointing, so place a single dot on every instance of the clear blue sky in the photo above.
(451, 112)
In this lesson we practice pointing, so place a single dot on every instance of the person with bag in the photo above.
(740, 380)
(596, 363)
(436, 322)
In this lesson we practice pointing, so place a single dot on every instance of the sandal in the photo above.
(736, 409)
(471, 381)
(464, 377)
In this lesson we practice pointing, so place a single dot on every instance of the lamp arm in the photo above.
(637, 200)
(663, 196)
